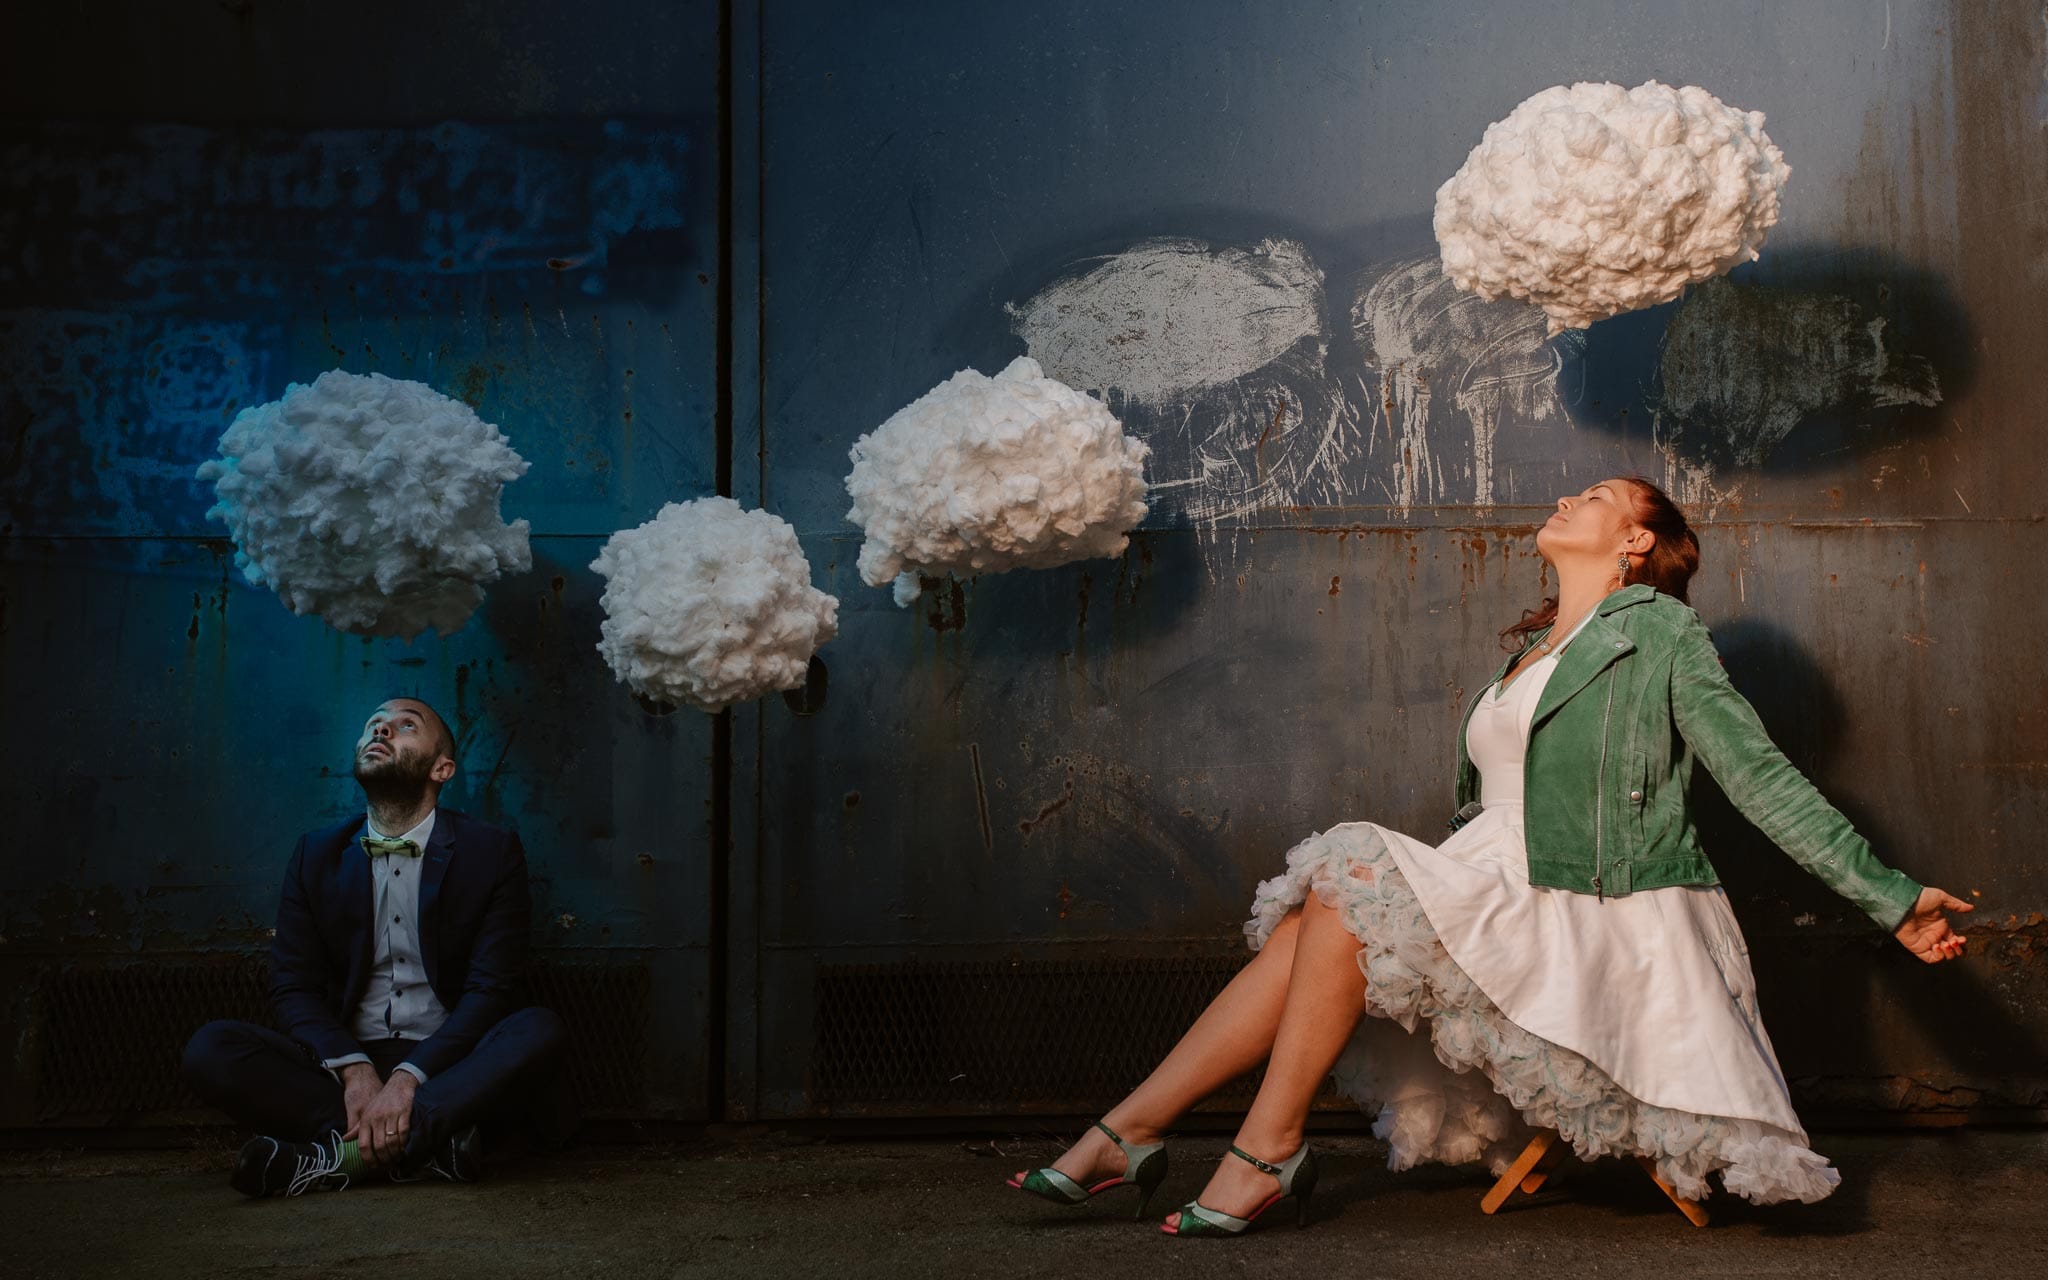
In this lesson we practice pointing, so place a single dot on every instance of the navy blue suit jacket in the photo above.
(475, 914)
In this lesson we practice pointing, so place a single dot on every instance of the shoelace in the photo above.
(311, 1169)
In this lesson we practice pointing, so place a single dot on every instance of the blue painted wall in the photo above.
(203, 204)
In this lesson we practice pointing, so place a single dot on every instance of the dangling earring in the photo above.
(1621, 567)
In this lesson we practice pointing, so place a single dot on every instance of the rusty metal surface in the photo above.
(1101, 761)
(1088, 767)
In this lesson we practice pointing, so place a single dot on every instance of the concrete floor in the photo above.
(1945, 1204)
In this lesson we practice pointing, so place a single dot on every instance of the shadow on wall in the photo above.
(1809, 352)
(1809, 972)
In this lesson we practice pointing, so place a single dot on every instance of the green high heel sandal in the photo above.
(1144, 1168)
(1297, 1174)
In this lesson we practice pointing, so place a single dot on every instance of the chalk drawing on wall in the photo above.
(1217, 357)
(1444, 364)
(1170, 317)
(1226, 359)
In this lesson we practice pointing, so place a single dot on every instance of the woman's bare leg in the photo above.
(1233, 1035)
(1325, 999)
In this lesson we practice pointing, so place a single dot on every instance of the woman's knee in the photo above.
(1281, 940)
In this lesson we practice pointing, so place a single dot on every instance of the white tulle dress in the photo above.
(1629, 1025)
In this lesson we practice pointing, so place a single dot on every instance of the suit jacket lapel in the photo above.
(358, 899)
(440, 848)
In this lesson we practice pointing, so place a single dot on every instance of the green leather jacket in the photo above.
(1608, 776)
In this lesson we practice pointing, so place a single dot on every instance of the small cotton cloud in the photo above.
(369, 501)
(1593, 200)
(982, 474)
(708, 604)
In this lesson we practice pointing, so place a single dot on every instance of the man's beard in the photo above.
(398, 776)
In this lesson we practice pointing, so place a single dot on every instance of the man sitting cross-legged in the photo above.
(398, 976)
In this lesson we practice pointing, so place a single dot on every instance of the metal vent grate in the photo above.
(990, 1036)
(606, 1008)
(112, 1037)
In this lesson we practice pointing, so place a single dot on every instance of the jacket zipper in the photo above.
(1600, 789)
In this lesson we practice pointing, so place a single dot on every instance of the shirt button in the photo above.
(1621, 644)
(1636, 796)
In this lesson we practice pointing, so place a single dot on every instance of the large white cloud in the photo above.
(982, 474)
(370, 501)
(708, 604)
(1594, 200)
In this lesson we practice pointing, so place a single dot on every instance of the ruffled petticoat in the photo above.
(1439, 1106)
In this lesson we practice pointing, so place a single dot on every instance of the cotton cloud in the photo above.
(370, 501)
(982, 474)
(1594, 200)
(707, 605)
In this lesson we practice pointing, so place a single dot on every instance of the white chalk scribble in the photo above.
(1441, 354)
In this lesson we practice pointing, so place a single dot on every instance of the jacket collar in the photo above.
(1599, 645)
(1633, 594)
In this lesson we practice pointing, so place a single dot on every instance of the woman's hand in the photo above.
(1925, 931)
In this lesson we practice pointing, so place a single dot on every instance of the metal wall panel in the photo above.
(1028, 782)
(1096, 764)
(202, 203)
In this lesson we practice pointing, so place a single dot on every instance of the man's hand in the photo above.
(359, 1084)
(1925, 931)
(387, 1121)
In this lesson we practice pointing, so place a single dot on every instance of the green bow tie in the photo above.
(378, 848)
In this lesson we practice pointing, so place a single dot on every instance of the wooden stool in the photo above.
(1542, 1155)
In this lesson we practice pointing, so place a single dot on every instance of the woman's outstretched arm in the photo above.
(1723, 729)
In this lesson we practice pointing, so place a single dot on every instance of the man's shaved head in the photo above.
(445, 737)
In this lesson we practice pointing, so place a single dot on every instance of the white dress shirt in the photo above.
(398, 1003)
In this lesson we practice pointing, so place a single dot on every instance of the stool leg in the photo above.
(1551, 1159)
(1524, 1164)
(1694, 1212)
